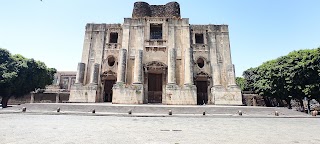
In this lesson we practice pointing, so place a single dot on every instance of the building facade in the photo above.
(156, 57)
(63, 80)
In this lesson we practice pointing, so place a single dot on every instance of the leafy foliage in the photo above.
(296, 75)
(240, 81)
(20, 75)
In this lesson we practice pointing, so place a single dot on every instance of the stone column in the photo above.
(57, 97)
(231, 75)
(122, 65)
(58, 79)
(137, 77)
(188, 66)
(172, 66)
(215, 68)
(32, 97)
(80, 73)
(95, 74)
(216, 74)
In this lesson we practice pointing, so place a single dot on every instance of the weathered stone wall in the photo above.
(253, 100)
(174, 56)
(81, 93)
(123, 94)
(39, 98)
(143, 9)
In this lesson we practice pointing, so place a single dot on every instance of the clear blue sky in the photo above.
(52, 31)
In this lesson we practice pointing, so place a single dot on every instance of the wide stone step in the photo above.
(154, 109)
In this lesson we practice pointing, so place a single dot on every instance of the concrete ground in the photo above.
(73, 129)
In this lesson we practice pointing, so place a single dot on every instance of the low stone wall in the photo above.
(253, 100)
(229, 96)
(39, 98)
(20, 100)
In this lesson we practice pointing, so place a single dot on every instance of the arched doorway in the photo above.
(155, 79)
(108, 80)
(202, 81)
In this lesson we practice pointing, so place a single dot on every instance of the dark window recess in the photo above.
(113, 38)
(111, 61)
(155, 31)
(199, 38)
(200, 62)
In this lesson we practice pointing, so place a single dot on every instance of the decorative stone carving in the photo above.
(155, 65)
(106, 74)
(155, 49)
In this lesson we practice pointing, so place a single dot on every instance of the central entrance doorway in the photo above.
(202, 92)
(154, 88)
(108, 84)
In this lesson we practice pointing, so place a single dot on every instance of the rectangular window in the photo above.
(113, 38)
(155, 31)
(199, 38)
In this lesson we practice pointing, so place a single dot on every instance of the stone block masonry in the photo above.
(156, 57)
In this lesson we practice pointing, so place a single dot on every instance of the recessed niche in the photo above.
(200, 62)
(111, 61)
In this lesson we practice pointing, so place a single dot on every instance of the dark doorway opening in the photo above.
(154, 88)
(108, 84)
(202, 92)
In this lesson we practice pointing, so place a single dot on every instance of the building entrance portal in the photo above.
(155, 78)
(108, 84)
(202, 92)
(202, 82)
(154, 88)
(108, 80)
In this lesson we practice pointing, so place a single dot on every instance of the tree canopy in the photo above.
(20, 75)
(296, 75)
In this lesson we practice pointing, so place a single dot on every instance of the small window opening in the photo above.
(111, 61)
(113, 38)
(155, 31)
(199, 38)
(200, 62)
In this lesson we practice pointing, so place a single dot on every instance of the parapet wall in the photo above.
(143, 9)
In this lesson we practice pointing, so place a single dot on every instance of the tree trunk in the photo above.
(4, 101)
(301, 105)
(289, 103)
(308, 106)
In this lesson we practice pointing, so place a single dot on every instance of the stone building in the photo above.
(64, 80)
(156, 57)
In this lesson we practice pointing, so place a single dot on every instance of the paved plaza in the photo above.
(37, 128)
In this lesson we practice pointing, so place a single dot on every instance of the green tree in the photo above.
(241, 82)
(296, 75)
(19, 75)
